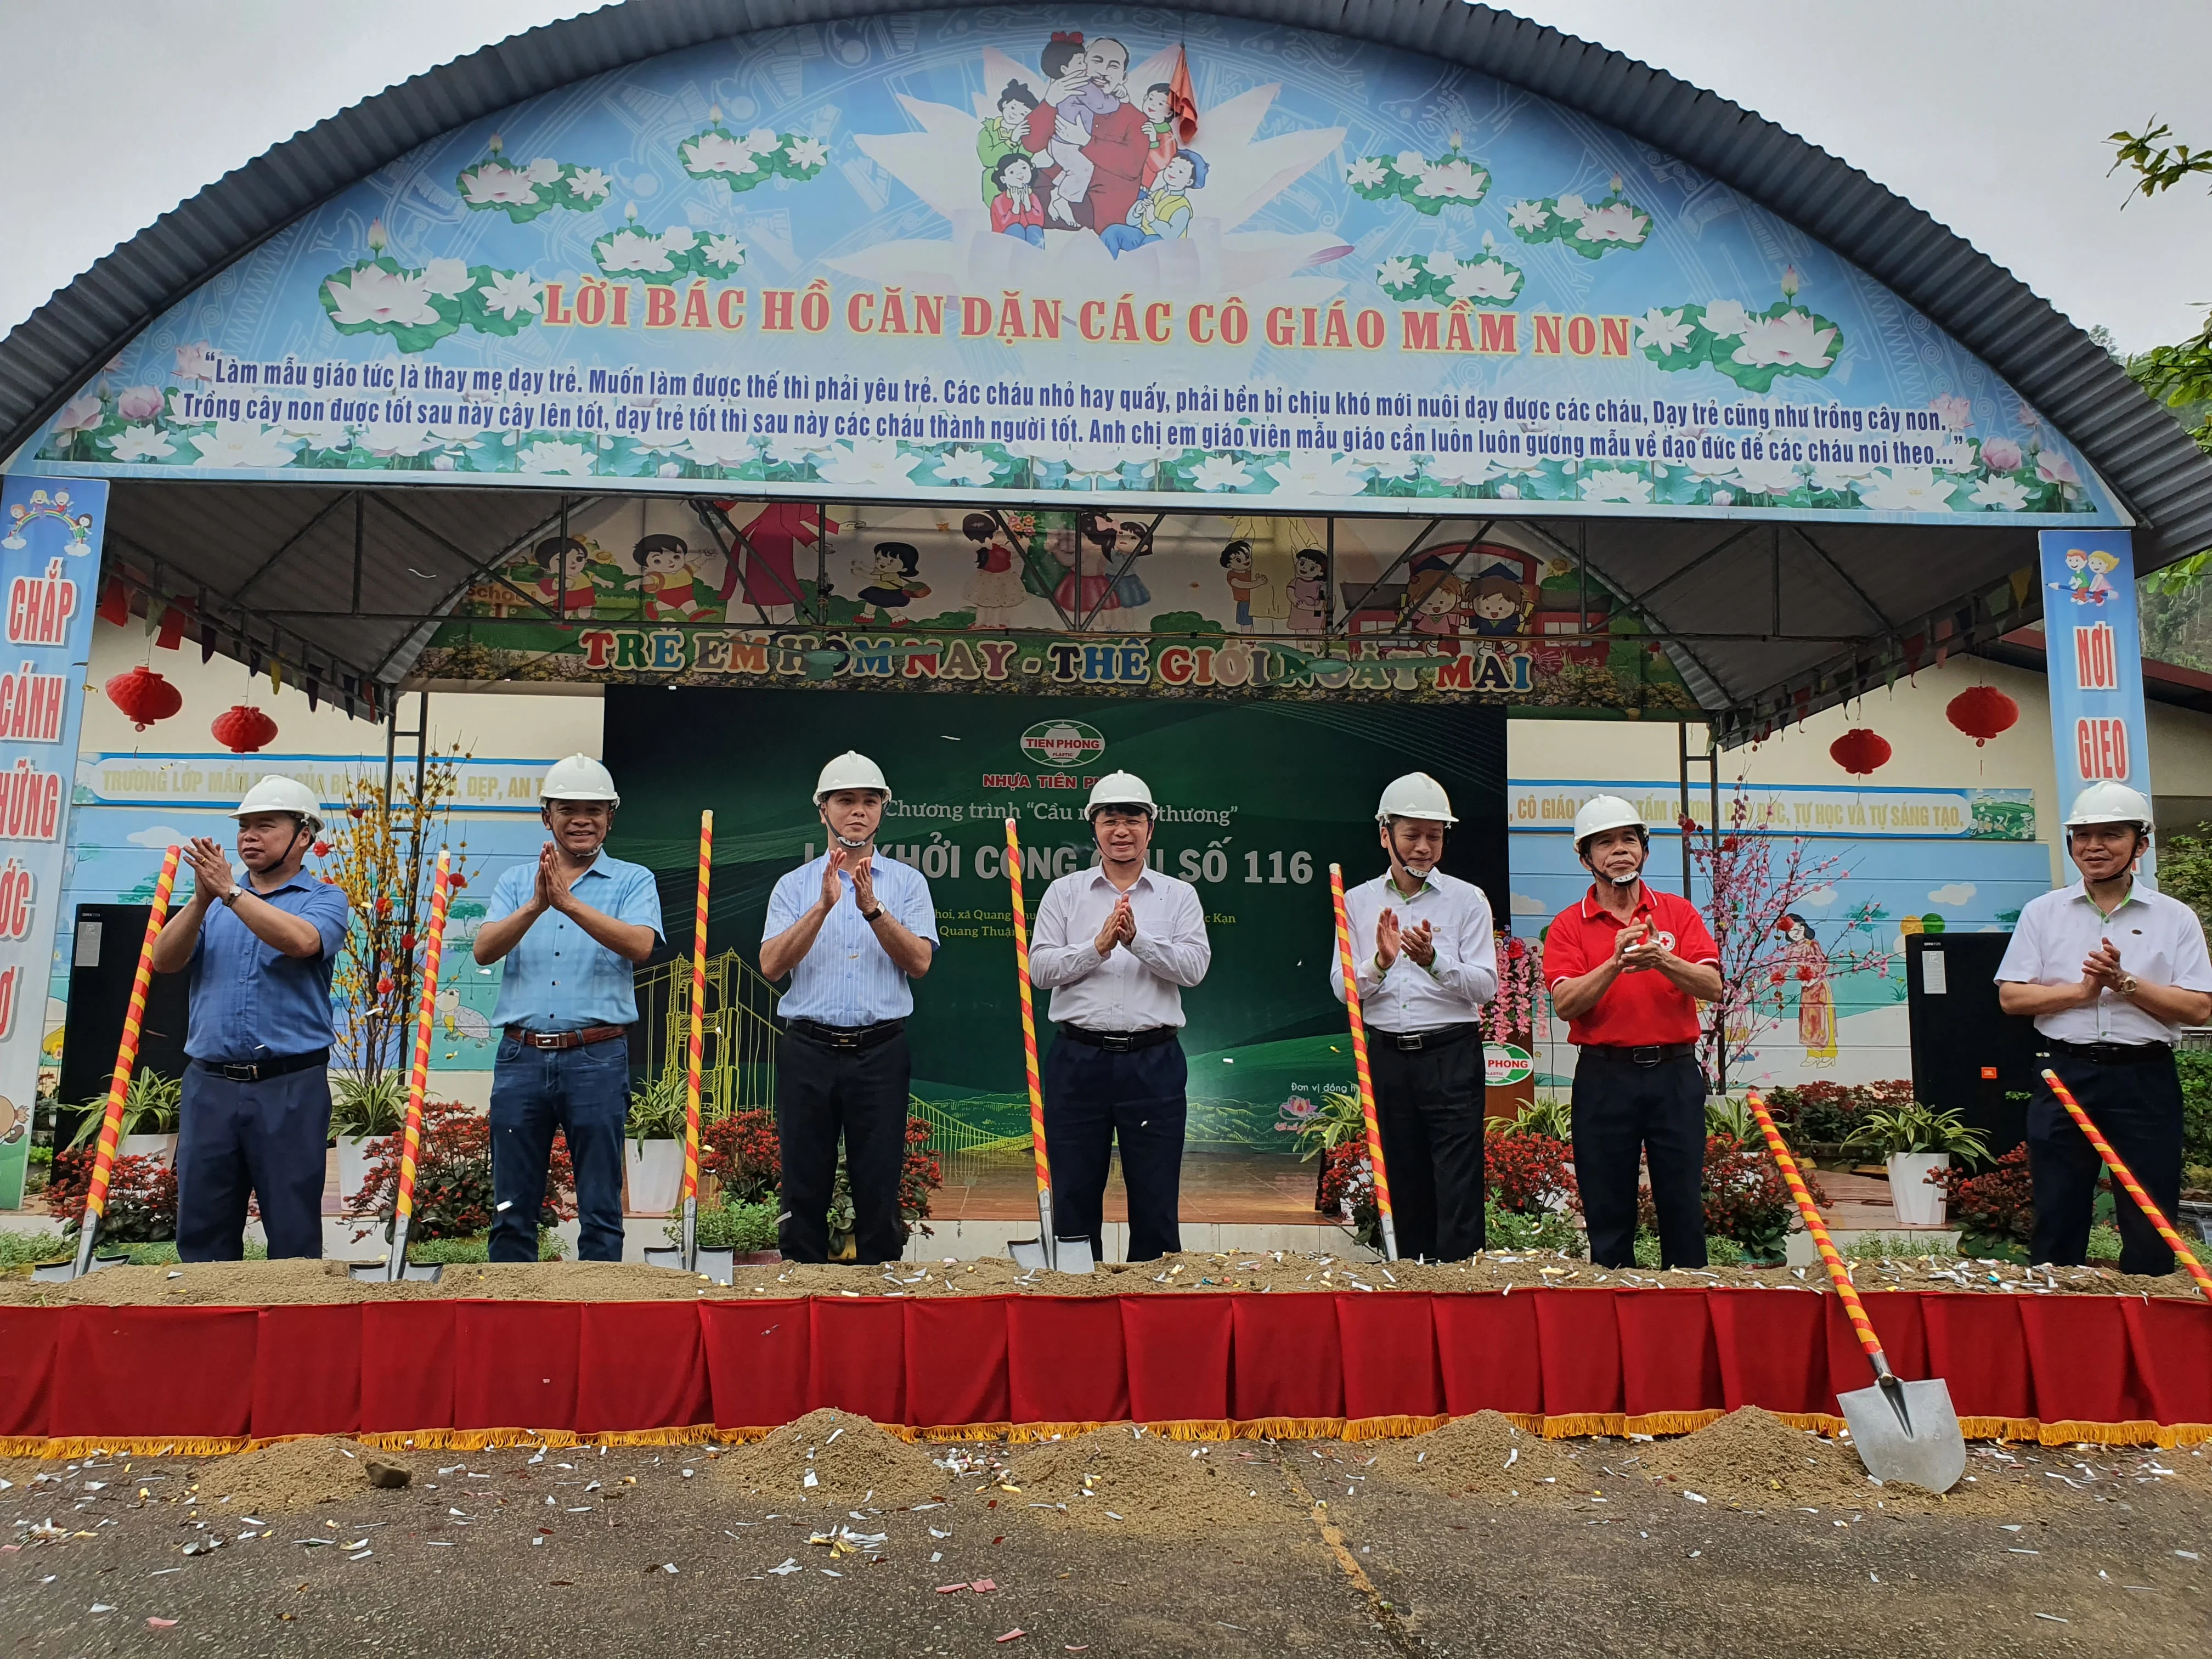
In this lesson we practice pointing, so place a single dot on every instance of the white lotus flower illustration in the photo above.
(458, 437)
(1907, 490)
(513, 294)
(793, 449)
(589, 182)
(1319, 474)
(724, 251)
(542, 170)
(1366, 172)
(719, 448)
(1618, 223)
(1605, 483)
(320, 434)
(1788, 339)
(245, 445)
(762, 141)
(633, 250)
(1572, 207)
(441, 463)
(1839, 476)
(386, 441)
(868, 464)
(142, 443)
(1769, 478)
(1394, 273)
(2055, 469)
(1458, 470)
(1455, 180)
(193, 362)
(1220, 472)
(2000, 496)
(971, 467)
(549, 456)
(448, 277)
(377, 295)
(679, 239)
(1665, 329)
(81, 414)
(493, 185)
(1410, 163)
(807, 152)
(717, 152)
(1528, 216)
(1485, 279)
(1726, 319)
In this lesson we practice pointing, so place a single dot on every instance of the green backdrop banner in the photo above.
(1257, 799)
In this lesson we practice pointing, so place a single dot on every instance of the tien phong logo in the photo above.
(1063, 744)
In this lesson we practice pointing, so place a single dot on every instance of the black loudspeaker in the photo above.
(103, 960)
(1967, 1053)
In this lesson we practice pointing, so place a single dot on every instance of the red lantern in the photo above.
(1860, 752)
(321, 849)
(144, 696)
(1982, 712)
(242, 729)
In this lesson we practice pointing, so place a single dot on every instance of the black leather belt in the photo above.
(1418, 1041)
(2114, 1054)
(1646, 1054)
(847, 1036)
(1122, 1042)
(260, 1071)
(557, 1040)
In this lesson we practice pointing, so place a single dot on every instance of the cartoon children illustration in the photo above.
(1500, 602)
(564, 579)
(1018, 209)
(2101, 566)
(893, 585)
(1163, 212)
(1132, 542)
(1309, 591)
(1163, 133)
(1005, 134)
(2076, 585)
(1090, 559)
(1243, 581)
(996, 591)
(1432, 604)
(666, 580)
(1807, 963)
(1077, 100)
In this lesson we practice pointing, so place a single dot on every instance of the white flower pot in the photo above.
(163, 1147)
(656, 1175)
(1919, 1203)
(356, 1153)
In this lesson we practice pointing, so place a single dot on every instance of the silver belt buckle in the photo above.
(1411, 1042)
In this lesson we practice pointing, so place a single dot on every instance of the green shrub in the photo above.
(2196, 1067)
(455, 1252)
(1892, 1247)
(27, 1250)
(163, 1254)
(1719, 1252)
(1510, 1229)
(2104, 1243)
(741, 1227)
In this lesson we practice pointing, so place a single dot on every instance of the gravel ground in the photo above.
(509, 1552)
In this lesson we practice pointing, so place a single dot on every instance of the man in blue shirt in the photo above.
(257, 1105)
(565, 1005)
(852, 933)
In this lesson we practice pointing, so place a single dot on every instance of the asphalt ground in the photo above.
(2118, 1563)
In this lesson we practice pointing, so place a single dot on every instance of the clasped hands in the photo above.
(1636, 950)
(863, 871)
(1391, 937)
(1120, 927)
(2101, 971)
(211, 874)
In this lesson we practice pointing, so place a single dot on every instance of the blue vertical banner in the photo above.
(2094, 650)
(50, 537)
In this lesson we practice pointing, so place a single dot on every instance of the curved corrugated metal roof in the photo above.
(2137, 446)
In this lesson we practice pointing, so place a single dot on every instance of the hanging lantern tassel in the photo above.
(1861, 752)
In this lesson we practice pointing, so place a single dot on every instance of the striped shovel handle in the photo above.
(1359, 1062)
(2126, 1178)
(1028, 1016)
(694, 1059)
(127, 1052)
(1853, 1309)
(418, 1074)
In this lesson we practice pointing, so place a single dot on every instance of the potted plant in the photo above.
(654, 1156)
(1917, 1141)
(152, 1109)
(364, 1111)
(1320, 1131)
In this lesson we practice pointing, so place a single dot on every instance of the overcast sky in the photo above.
(1993, 117)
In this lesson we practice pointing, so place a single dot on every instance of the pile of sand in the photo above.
(1753, 1459)
(1485, 1455)
(1115, 1480)
(291, 1475)
(852, 1460)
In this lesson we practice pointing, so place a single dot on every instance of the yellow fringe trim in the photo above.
(1999, 1428)
(1670, 1422)
(1582, 1422)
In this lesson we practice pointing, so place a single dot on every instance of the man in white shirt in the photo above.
(1435, 963)
(2110, 971)
(1115, 945)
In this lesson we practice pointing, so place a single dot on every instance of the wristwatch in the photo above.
(2125, 985)
(870, 915)
(230, 899)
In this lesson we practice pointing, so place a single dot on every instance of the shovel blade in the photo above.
(1075, 1255)
(426, 1272)
(664, 1255)
(721, 1266)
(54, 1272)
(1028, 1253)
(1912, 1436)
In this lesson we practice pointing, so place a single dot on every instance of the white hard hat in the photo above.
(1602, 812)
(578, 777)
(2107, 802)
(1120, 789)
(850, 770)
(281, 794)
(1416, 795)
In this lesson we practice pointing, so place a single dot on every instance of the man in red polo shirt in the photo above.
(1627, 967)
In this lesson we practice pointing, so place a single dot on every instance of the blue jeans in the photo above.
(267, 1139)
(583, 1093)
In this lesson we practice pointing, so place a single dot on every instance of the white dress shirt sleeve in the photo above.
(1056, 959)
(1468, 964)
(2022, 964)
(1181, 954)
(2192, 968)
(1365, 973)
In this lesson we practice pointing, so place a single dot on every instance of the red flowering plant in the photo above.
(1347, 1190)
(1529, 1173)
(1995, 1209)
(1828, 1113)
(453, 1194)
(1746, 1198)
(142, 1196)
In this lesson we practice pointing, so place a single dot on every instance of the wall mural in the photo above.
(981, 256)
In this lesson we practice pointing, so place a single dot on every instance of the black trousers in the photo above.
(263, 1139)
(1093, 1098)
(1428, 1104)
(822, 1092)
(1623, 1110)
(2137, 1108)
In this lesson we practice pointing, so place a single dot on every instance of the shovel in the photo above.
(686, 1256)
(2134, 1189)
(396, 1266)
(1905, 1432)
(1047, 1249)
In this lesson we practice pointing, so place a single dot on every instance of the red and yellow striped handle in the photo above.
(2121, 1174)
(1028, 1016)
(695, 1060)
(1853, 1309)
(1359, 1054)
(418, 1074)
(127, 1052)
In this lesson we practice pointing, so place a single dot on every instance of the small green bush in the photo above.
(459, 1252)
(2196, 1067)
(27, 1250)
(1509, 1229)
(1892, 1247)
(2104, 1243)
(741, 1227)
(1719, 1252)
(163, 1253)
